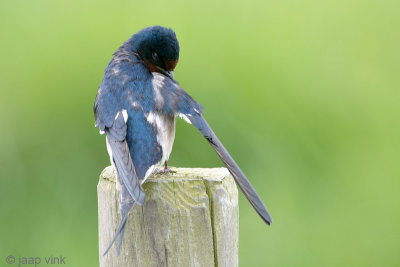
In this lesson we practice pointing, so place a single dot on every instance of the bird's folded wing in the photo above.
(176, 101)
(122, 159)
(200, 123)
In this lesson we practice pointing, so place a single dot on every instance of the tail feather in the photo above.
(126, 203)
(121, 237)
(120, 230)
(199, 122)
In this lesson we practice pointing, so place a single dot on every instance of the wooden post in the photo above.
(189, 218)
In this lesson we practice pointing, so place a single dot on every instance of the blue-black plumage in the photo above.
(136, 106)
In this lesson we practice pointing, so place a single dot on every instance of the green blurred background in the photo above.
(304, 94)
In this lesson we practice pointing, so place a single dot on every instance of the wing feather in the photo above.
(177, 101)
(122, 159)
(200, 123)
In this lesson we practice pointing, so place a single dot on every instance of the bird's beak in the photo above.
(170, 74)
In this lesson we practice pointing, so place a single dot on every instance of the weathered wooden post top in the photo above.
(189, 218)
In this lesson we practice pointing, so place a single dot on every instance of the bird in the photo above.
(136, 107)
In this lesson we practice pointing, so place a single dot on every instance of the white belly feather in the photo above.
(165, 126)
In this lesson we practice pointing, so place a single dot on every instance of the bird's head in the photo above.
(158, 47)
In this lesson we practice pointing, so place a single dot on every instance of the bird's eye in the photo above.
(155, 57)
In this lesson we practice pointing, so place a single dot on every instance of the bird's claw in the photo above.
(164, 171)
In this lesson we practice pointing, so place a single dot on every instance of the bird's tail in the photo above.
(244, 184)
(126, 203)
(120, 232)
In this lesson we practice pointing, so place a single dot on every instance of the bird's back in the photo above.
(129, 85)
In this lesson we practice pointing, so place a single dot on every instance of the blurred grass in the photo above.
(304, 94)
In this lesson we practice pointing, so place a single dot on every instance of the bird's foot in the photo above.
(168, 170)
(164, 171)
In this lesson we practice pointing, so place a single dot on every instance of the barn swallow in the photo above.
(136, 106)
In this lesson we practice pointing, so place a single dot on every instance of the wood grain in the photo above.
(189, 218)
